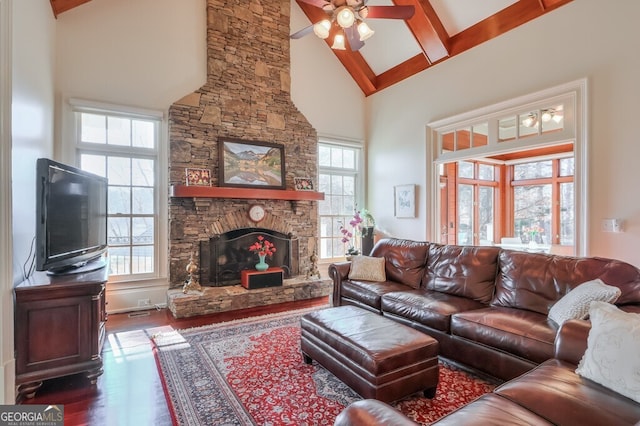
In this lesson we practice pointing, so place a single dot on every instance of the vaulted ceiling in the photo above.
(438, 30)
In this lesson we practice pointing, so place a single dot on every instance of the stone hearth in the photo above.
(220, 299)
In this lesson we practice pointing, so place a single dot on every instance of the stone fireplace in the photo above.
(246, 96)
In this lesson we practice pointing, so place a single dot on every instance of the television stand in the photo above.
(59, 327)
(81, 268)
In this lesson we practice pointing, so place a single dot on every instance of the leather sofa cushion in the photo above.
(536, 281)
(371, 412)
(430, 308)
(369, 292)
(526, 334)
(492, 410)
(465, 271)
(554, 391)
(404, 259)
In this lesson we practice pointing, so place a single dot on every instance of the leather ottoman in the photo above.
(375, 356)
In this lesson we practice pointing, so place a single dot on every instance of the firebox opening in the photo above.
(225, 255)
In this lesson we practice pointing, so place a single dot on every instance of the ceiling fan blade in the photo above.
(317, 3)
(390, 12)
(353, 38)
(303, 32)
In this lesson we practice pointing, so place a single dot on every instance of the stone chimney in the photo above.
(246, 96)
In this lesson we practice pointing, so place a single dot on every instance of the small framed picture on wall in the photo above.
(405, 200)
(303, 184)
(198, 177)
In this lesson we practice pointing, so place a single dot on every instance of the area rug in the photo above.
(251, 372)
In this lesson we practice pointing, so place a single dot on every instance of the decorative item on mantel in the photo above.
(264, 248)
(191, 283)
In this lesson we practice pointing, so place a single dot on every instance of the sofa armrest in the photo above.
(571, 340)
(338, 272)
(371, 412)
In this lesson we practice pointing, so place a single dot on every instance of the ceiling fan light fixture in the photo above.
(365, 31)
(345, 16)
(321, 29)
(547, 115)
(338, 42)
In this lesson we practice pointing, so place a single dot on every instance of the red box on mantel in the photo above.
(252, 279)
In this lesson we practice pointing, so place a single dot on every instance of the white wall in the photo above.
(321, 87)
(32, 115)
(557, 48)
(28, 68)
(142, 53)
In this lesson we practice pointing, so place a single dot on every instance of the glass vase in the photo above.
(262, 265)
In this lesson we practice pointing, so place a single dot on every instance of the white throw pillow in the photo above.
(367, 268)
(575, 304)
(613, 345)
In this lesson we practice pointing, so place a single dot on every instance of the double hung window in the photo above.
(340, 180)
(125, 147)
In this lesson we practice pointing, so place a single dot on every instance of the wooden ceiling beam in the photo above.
(427, 29)
(59, 6)
(401, 71)
(499, 23)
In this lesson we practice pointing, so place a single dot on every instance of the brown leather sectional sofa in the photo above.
(550, 394)
(486, 306)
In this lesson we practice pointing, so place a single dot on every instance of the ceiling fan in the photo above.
(346, 18)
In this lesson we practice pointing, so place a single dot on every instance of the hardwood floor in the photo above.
(130, 391)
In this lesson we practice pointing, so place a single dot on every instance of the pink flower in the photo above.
(263, 247)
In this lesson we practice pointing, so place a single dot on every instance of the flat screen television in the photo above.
(71, 218)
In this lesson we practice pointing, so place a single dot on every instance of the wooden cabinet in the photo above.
(59, 327)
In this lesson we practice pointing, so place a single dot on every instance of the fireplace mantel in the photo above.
(184, 191)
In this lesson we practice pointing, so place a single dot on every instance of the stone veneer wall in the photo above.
(246, 96)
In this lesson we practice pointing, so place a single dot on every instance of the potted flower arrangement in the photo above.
(532, 232)
(362, 224)
(263, 248)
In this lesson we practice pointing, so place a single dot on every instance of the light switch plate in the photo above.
(611, 225)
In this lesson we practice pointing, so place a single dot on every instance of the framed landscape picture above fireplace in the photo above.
(251, 164)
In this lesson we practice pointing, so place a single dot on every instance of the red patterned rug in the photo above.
(251, 372)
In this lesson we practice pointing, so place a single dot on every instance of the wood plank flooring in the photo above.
(130, 391)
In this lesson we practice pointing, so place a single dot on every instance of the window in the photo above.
(340, 180)
(543, 200)
(124, 146)
(547, 128)
(475, 203)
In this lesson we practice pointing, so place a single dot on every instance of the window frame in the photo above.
(358, 178)
(158, 154)
(555, 180)
(476, 183)
(573, 94)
